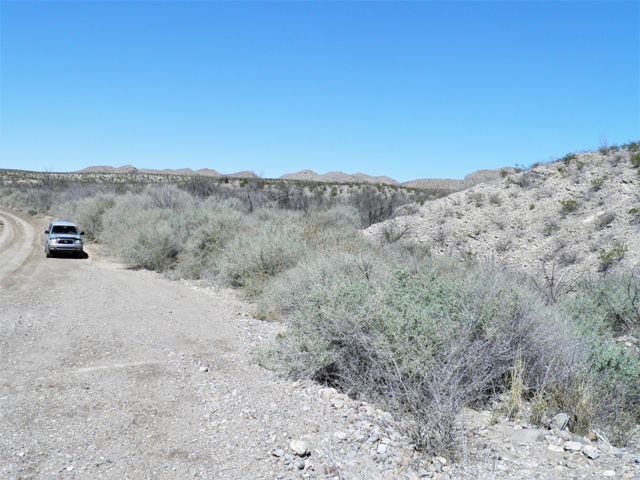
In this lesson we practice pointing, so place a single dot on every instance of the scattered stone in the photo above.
(299, 447)
(590, 451)
(340, 436)
(609, 473)
(573, 446)
(204, 369)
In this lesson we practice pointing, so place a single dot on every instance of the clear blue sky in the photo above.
(404, 89)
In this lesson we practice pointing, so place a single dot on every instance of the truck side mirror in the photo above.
(81, 233)
(46, 231)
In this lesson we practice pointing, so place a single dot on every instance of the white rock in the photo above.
(340, 436)
(590, 451)
(555, 448)
(572, 446)
(299, 447)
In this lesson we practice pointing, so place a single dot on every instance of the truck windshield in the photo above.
(68, 229)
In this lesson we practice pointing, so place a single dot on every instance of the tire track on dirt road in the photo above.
(17, 243)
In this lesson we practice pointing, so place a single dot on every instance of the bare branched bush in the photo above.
(566, 259)
(376, 206)
(392, 232)
(554, 283)
(440, 237)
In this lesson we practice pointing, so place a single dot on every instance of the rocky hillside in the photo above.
(579, 214)
(447, 185)
(338, 177)
(167, 171)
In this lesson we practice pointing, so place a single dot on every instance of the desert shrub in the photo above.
(553, 283)
(604, 308)
(523, 180)
(568, 205)
(376, 207)
(504, 244)
(495, 199)
(440, 237)
(87, 213)
(596, 184)
(287, 293)
(635, 215)
(567, 258)
(478, 198)
(249, 261)
(425, 342)
(609, 304)
(568, 158)
(167, 197)
(499, 222)
(392, 232)
(612, 256)
(635, 160)
(215, 225)
(143, 237)
(201, 186)
(341, 216)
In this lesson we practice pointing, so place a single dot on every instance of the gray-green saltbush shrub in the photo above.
(214, 225)
(250, 260)
(426, 342)
(604, 308)
(288, 293)
(87, 212)
(144, 238)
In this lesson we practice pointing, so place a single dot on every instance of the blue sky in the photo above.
(404, 89)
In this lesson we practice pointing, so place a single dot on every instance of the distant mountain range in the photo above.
(331, 177)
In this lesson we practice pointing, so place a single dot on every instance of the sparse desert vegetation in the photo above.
(429, 311)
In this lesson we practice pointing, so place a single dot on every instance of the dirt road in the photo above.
(102, 372)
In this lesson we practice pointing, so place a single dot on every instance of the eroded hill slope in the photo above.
(580, 214)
